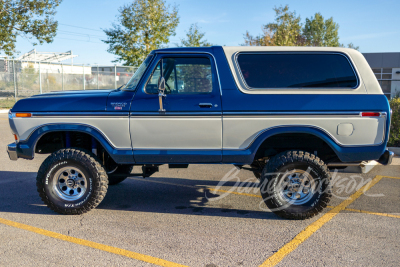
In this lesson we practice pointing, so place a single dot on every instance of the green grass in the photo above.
(7, 103)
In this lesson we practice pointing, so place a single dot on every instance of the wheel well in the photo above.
(301, 141)
(53, 141)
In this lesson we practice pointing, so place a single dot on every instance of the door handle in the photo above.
(205, 105)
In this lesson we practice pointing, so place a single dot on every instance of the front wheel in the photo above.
(295, 185)
(71, 181)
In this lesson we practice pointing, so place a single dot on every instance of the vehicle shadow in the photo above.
(183, 196)
(18, 194)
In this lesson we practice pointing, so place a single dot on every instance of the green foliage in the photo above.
(28, 77)
(351, 45)
(320, 32)
(287, 30)
(394, 138)
(7, 103)
(142, 26)
(194, 38)
(29, 19)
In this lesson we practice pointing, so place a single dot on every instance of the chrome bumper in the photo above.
(386, 158)
(12, 151)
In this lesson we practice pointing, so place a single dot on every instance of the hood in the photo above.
(88, 100)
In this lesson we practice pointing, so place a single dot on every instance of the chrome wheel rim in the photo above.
(297, 187)
(70, 184)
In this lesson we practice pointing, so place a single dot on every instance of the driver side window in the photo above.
(182, 76)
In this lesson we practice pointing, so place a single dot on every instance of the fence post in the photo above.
(62, 76)
(98, 77)
(15, 82)
(40, 78)
(115, 75)
(83, 66)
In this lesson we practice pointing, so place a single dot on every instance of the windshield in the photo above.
(133, 82)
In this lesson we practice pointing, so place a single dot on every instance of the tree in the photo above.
(320, 32)
(194, 38)
(29, 19)
(287, 30)
(142, 26)
(265, 39)
(351, 45)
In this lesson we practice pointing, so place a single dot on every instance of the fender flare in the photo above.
(26, 149)
(306, 129)
(344, 153)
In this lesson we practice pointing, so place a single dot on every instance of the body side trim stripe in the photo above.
(81, 114)
(175, 114)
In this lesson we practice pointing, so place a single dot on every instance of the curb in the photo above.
(4, 111)
(395, 150)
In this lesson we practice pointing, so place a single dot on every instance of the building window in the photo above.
(384, 76)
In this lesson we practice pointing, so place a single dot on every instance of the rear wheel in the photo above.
(296, 185)
(71, 181)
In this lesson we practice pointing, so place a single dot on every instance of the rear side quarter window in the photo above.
(296, 70)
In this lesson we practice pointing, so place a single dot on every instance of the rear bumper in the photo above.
(386, 158)
(12, 151)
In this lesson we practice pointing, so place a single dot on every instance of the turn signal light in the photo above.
(16, 137)
(23, 115)
(370, 114)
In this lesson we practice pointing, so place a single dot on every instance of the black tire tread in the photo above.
(85, 157)
(291, 156)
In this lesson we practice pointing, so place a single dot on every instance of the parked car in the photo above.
(291, 113)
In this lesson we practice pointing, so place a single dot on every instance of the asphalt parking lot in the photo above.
(175, 218)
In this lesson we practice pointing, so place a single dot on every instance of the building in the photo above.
(386, 67)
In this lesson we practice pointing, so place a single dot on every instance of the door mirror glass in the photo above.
(161, 84)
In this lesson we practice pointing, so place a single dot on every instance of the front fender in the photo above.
(26, 149)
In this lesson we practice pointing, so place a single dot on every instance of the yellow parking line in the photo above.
(375, 213)
(391, 177)
(258, 196)
(3, 119)
(369, 212)
(114, 250)
(312, 228)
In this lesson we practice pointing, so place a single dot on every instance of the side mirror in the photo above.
(161, 89)
(161, 84)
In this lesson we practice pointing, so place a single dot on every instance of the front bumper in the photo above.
(386, 158)
(12, 151)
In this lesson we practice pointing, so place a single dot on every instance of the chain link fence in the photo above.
(21, 79)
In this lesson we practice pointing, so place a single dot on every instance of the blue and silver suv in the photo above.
(290, 113)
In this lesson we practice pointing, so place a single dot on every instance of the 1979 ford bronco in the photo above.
(291, 113)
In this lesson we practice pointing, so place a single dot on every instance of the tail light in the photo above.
(370, 114)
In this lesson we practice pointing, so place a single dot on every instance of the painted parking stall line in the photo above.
(83, 242)
(212, 190)
(315, 226)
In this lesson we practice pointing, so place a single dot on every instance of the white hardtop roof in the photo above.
(232, 49)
